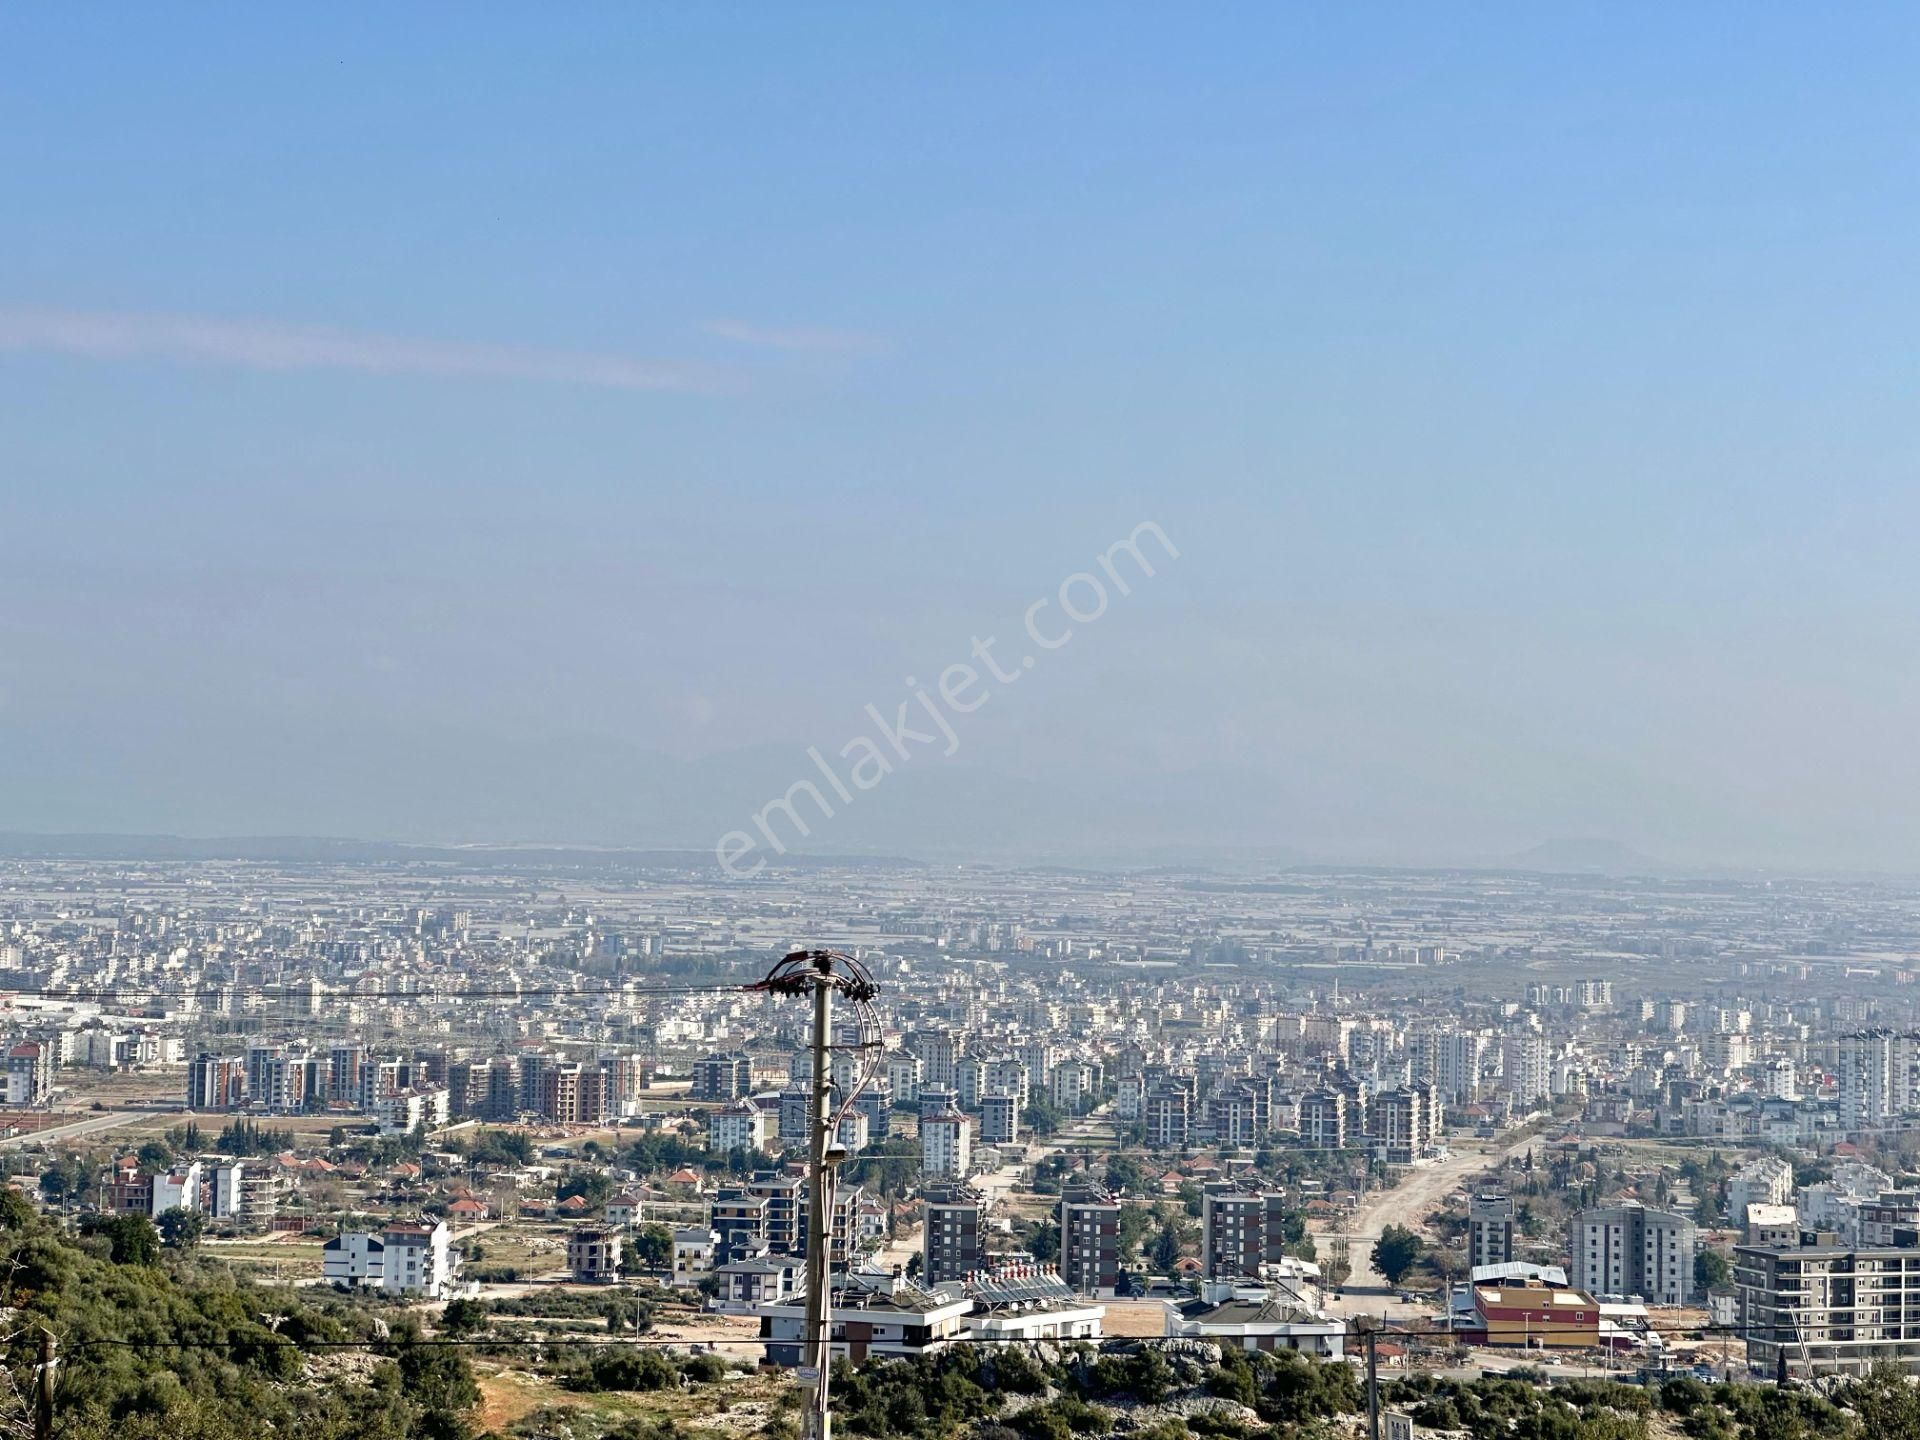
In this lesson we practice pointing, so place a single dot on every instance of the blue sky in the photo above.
(1529, 391)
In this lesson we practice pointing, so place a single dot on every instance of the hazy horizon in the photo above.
(553, 429)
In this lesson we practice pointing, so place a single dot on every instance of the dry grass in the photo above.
(736, 1406)
(1135, 1317)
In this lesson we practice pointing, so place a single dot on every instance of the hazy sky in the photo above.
(469, 422)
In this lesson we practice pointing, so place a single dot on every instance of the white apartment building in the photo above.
(405, 1111)
(1779, 1079)
(853, 1132)
(1879, 1076)
(417, 1260)
(946, 1145)
(1627, 1249)
(245, 1190)
(1073, 1085)
(1526, 1076)
(1451, 1060)
(693, 1252)
(1766, 1181)
(741, 1126)
(177, 1189)
(903, 1074)
(405, 1259)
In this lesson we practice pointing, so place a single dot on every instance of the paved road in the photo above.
(92, 1125)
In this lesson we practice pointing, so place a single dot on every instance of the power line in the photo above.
(1762, 1332)
(122, 993)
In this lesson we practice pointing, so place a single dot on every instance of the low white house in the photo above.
(693, 1252)
(872, 1316)
(1254, 1316)
(1028, 1303)
(747, 1285)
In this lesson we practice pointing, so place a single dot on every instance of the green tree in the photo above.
(463, 1317)
(1166, 1248)
(593, 1186)
(131, 1239)
(1711, 1269)
(500, 1147)
(438, 1382)
(653, 1245)
(1886, 1402)
(66, 1179)
(1125, 1175)
(180, 1228)
(1042, 1117)
(1396, 1252)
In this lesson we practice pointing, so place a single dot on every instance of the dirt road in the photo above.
(1406, 1204)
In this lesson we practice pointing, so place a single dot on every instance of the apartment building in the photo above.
(741, 1125)
(1323, 1120)
(1524, 1067)
(1168, 1114)
(1766, 1181)
(1090, 1241)
(404, 1259)
(722, 1077)
(594, 1254)
(953, 1240)
(1879, 1077)
(1241, 1230)
(1234, 1116)
(946, 1145)
(999, 1119)
(796, 1117)
(1489, 1230)
(1827, 1309)
(1403, 1123)
(1627, 1249)
(246, 1191)
(216, 1082)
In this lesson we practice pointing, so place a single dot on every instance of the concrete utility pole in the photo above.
(819, 973)
(1369, 1329)
(819, 1347)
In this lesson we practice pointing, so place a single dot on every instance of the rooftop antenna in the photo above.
(821, 973)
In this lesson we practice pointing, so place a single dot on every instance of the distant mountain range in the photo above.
(304, 849)
(1559, 856)
(264, 793)
(1586, 857)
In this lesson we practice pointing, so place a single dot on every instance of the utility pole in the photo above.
(820, 973)
(819, 1348)
(1369, 1329)
(43, 1388)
